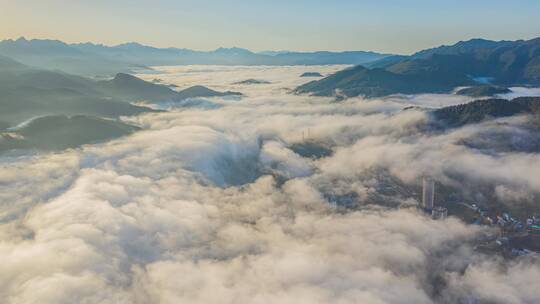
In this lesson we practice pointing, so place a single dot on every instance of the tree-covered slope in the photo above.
(60, 132)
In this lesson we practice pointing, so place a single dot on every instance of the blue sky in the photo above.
(386, 25)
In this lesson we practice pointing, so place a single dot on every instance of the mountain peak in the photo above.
(462, 47)
(477, 42)
(124, 77)
(232, 50)
(130, 45)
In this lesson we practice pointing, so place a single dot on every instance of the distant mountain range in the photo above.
(437, 70)
(146, 55)
(99, 60)
(56, 55)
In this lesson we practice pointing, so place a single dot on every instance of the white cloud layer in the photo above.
(212, 206)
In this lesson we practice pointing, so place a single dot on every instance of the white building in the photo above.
(439, 213)
(428, 193)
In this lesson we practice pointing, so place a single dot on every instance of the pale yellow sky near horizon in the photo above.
(263, 25)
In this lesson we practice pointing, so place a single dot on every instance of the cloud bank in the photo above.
(213, 206)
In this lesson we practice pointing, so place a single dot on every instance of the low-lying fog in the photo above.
(210, 204)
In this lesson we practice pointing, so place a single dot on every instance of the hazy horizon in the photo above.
(300, 26)
(252, 50)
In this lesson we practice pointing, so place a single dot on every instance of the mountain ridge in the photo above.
(480, 110)
(26, 92)
(438, 70)
(57, 132)
(91, 59)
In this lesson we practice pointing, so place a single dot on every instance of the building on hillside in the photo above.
(439, 213)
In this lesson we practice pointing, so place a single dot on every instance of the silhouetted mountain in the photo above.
(131, 88)
(360, 81)
(135, 53)
(128, 87)
(311, 74)
(444, 68)
(19, 104)
(201, 91)
(61, 132)
(95, 59)
(252, 81)
(145, 55)
(27, 93)
(57, 55)
(483, 90)
(34, 105)
(480, 110)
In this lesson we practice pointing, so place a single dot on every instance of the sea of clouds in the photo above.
(209, 204)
